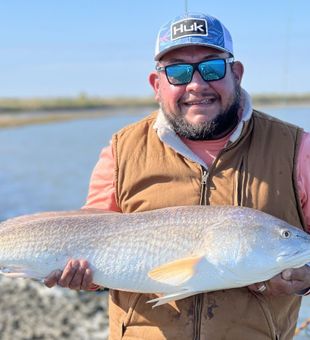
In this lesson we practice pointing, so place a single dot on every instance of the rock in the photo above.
(29, 310)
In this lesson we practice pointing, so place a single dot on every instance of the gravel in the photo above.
(29, 310)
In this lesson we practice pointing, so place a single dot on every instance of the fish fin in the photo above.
(21, 272)
(177, 272)
(172, 297)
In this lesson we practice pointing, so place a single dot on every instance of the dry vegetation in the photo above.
(82, 102)
(16, 111)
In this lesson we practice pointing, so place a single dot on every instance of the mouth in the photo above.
(204, 101)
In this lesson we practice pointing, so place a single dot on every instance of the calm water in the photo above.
(47, 167)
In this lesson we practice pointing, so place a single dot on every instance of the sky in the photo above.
(64, 48)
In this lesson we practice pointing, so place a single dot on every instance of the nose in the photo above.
(197, 82)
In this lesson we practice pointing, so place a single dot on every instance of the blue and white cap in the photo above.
(193, 29)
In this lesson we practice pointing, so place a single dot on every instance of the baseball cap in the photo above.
(193, 29)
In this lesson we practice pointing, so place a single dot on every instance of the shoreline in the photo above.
(18, 119)
(85, 102)
(23, 119)
(11, 119)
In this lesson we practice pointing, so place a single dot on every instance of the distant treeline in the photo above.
(84, 102)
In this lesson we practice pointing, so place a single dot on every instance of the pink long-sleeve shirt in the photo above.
(102, 190)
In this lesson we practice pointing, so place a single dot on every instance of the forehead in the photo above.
(192, 54)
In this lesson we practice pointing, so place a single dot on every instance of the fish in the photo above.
(173, 252)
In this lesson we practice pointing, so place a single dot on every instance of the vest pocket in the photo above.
(133, 300)
(163, 322)
(268, 312)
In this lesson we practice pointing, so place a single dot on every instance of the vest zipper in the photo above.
(204, 181)
(198, 302)
(198, 299)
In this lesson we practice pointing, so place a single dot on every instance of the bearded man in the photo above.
(205, 145)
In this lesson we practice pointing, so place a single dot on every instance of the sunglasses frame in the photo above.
(195, 67)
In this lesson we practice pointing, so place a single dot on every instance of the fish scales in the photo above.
(177, 251)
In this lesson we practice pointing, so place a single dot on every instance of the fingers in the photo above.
(298, 274)
(52, 279)
(87, 280)
(289, 282)
(274, 287)
(76, 275)
(70, 275)
(299, 279)
(260, 287)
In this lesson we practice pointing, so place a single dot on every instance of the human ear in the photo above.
(237, 70)
(154, 82)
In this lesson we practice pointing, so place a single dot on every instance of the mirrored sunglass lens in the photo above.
(179, 74)
(212, 69)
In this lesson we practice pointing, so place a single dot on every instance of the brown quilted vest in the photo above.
(255, 171)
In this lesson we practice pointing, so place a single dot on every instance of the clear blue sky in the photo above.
(105, 48)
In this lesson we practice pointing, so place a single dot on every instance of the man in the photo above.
(205, 145)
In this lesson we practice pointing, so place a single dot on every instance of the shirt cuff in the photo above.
(304, 292)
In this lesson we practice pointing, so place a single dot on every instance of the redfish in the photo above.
(176, 252)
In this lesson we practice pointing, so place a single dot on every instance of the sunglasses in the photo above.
(182, 73)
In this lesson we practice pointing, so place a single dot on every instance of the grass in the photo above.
(281, 99)
(84, 102)
(13, 111)
(8, 121)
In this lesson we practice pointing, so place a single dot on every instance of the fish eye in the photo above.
(286, 234)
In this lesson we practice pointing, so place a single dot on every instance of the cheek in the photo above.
(226, 89)
(170, 94)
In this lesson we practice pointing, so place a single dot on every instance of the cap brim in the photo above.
(162, 53)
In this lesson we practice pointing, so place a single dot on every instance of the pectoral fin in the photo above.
(172, 297)
(177, 272)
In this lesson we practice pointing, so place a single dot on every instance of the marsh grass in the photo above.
(24, 111)
(281, 99)
(7, 121)
(81, 102)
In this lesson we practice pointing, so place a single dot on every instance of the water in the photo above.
(47, 167)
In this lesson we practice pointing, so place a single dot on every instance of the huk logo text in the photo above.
(188, 27)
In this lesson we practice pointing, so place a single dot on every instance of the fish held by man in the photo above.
(176, 252)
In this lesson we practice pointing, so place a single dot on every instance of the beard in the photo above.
(216, 128)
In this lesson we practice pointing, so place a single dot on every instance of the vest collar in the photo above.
(167, 135)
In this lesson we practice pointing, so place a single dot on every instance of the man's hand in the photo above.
(76, 275)
(289, 282)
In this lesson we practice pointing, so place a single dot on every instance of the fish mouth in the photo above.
(292, 254)
(294, 260)
(285, 255)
